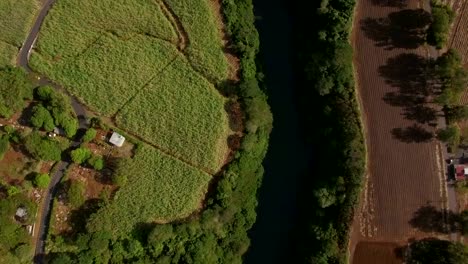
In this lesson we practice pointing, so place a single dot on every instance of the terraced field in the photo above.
(152, 69)
(404, 170)
(16, 17)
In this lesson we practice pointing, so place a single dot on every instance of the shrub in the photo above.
(450, 135)
(41, 118)
(96, 162)
(89, 135)
(80, 155)
(13, 190)
(43, 148)
(15, 87)
(42, 180)
(442, 18)
(76, 193)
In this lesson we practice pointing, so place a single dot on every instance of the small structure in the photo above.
(21, 214)
(116, 139)
(460, 172)
(59, 131)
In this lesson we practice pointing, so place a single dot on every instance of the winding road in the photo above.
(23, 61)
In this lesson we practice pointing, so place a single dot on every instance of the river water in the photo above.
(286, 160)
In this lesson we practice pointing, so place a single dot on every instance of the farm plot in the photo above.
(182, 112)
(459, 35)
(110, 71)
(205, 47)
(403, 158)
(159, 189)
(16, 17)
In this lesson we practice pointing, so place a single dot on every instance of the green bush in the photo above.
(450, 135)
(76, 193)
(41, 118)
(442, 18)
(97, 162)
(80, 155)
(89, 135)
(42, 148)
(42, 180)
(15, 87)
(13, 190)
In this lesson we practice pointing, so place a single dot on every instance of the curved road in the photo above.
(23, 61)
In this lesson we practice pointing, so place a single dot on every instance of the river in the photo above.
(286, 160)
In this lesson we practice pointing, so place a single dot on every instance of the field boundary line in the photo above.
(161, 71)
(172, 17)
(168, 153)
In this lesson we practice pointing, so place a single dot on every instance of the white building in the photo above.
(117, 139)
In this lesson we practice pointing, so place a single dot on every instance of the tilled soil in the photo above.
(405, 178)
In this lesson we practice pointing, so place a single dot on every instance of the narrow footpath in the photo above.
(23, 61)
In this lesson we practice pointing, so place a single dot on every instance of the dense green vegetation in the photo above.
(42, 147)
(451, 77)
(15, 87)
(219, 233)
(80, 155)
(15, 242)
(442, 18)
(435, 251)
(150, 195)
(330, 193)
(204, 50)
(16, 17)
(89, 135)
(159, 113)
(41, 180)
(75, 193)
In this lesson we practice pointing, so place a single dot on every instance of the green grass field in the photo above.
(16, 17)
(110, 71)
(182, 113)
(159, 188)
(205, 46)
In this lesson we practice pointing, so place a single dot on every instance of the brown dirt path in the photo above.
(403, 171)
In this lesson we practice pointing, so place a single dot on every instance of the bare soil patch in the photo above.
(377, 252)
(403, 168)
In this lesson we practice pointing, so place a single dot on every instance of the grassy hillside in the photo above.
(16, 17)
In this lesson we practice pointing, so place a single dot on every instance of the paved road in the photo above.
(23, 61)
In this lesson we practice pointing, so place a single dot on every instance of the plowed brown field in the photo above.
(459, 34)
(404, 194)
(369, 252)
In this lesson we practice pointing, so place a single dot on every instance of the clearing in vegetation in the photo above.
(159, 188)
(16, 17)
(182, 112)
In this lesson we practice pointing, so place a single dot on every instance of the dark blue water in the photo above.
(286, 161)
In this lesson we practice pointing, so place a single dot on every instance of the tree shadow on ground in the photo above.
(411, 74)
(390, 3)
(430, 219)
(80, 216)
(412, 134)
(402, 29)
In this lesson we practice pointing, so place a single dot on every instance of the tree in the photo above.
(42, 148)
(80, 155)
(325, 197)
(89, 135)
(434, 251)
(13, 190)
(76, 193)
(464, 222)
(41, 118)
(450, 135)
(97, 162)
(442, 17)
(42, 180)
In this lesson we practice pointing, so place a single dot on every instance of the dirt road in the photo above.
(405, 194)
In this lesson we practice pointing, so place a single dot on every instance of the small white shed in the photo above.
(116, 139)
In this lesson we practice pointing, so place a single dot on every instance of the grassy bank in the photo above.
(327, 89)
(16, 18)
